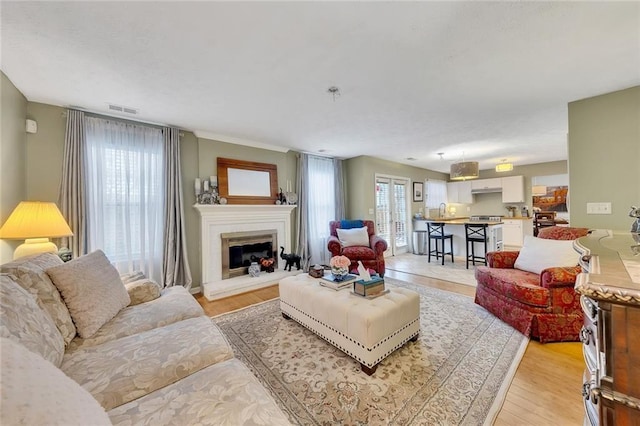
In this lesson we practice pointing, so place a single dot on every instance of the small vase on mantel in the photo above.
(254, 269)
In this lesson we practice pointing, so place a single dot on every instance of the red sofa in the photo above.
(372, 256)
(543, 306)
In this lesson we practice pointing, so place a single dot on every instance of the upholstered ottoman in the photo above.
(368, 330)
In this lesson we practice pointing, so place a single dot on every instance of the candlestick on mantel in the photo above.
(214, 180)
(206, 186)
(197, 186)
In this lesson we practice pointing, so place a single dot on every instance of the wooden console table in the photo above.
(610, 298)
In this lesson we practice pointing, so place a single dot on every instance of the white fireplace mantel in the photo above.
(216, 219)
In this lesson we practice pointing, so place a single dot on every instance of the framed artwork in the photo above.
(247, 182)
(555, 200)
(418, 191)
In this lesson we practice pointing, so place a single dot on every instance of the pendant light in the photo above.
(503, 166)
(464, 170)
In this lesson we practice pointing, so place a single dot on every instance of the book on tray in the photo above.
(369, 288)
(331, 281)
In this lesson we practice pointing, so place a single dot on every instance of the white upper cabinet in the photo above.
(459, 192)
(513, 189)
(480, 184)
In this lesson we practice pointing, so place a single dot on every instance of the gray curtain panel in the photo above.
(71, 195)
(339, 188)
(175, 264)
(302, 216)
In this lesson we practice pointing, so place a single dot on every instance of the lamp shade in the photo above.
(35, 219)
(464, 170)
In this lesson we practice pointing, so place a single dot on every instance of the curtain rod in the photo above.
(117, 117)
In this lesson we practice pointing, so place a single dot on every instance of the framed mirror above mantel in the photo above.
(247, 182)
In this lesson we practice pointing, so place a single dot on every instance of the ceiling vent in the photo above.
(124, 109)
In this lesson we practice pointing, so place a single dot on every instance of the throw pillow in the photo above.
(91, 287)
(22, 320)
(143, 290)
(353, 237)
(34, 392)
(29, 272)
(348, 224)
(537, 254)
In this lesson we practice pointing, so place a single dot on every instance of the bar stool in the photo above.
(476, 233)
(436, 232)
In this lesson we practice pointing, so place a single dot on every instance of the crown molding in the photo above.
(239, 141)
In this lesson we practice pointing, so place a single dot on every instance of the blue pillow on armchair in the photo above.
(348, 224)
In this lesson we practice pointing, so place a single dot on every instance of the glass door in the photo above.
(391, 213)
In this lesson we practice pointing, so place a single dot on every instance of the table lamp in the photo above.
(35, 222)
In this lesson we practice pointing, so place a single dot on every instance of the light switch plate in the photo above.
(370, 211)
(598, 208)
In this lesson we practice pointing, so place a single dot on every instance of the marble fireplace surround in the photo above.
(216, 219)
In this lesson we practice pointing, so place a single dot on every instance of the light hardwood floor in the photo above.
(546, 389)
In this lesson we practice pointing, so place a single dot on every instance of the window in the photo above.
(125, 181)
(322, 206)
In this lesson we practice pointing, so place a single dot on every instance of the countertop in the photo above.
(460, 221)
(613, 265)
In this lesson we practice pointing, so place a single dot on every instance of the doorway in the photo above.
(392, 213)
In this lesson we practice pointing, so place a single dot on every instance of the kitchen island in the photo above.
(455, 226)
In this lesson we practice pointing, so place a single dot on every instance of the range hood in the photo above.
(485, 190)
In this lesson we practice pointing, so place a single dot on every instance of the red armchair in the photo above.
(543, 306)
(372, 256)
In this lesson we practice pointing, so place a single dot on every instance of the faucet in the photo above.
(442, 210)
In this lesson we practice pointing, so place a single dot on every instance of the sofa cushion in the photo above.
(22, 320)
(359, 252)
(119, 371)
(30, 273)
(353, 237)
(175, 304)
(34, 392)
(226, 393)
(514, 284)
(92, 289)
(538, 254)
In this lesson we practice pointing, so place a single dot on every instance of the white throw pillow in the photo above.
(91, 287)
(538, 254)
(35, 392)
(353, 237)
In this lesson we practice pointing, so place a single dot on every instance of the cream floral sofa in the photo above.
(79, 347)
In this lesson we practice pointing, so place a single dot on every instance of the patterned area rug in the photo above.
(459, 368)
(417, 265)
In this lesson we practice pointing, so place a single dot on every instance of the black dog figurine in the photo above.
(290, 258)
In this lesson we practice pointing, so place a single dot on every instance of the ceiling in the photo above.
(482, 81)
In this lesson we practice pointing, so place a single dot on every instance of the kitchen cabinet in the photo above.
(459, 192)
(492, 183)
(513, 189)
(514, 231)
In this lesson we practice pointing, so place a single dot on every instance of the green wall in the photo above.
(491, 204)
(34, 163)
(13, 156)
(604, 157)
(31, 164)
(199, 159)
(45, 150)
(360, 174)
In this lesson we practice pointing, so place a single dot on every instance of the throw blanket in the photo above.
(348, 224)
